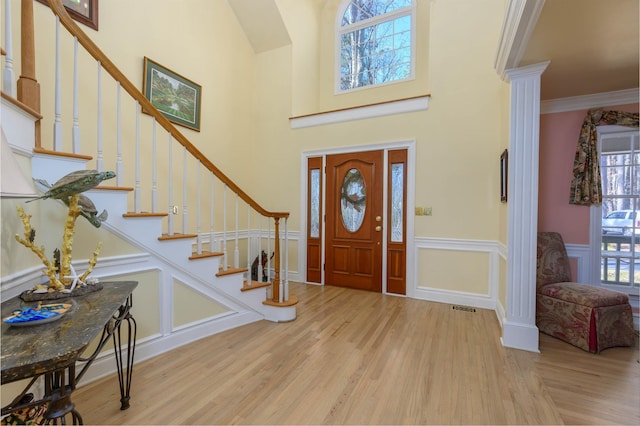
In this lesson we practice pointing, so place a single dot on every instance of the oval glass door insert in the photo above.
(353, 200)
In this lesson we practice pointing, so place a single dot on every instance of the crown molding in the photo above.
(576, 103)
(520, 19)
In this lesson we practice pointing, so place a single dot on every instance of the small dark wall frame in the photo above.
(83, 11)
(504, 175)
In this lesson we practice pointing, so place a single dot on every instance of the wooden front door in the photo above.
(354, 190)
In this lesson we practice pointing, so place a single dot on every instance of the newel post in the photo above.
(275, 293)
(28, 88)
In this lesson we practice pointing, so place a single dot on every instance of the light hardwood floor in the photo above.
(353, 357)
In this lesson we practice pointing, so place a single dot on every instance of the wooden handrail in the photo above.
(58, 9)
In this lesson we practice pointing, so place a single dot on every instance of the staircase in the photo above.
(205, 255)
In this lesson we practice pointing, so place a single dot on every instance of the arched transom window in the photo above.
(376, 42)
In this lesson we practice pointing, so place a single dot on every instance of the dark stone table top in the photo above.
(33, 350)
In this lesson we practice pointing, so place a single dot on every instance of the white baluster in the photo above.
(198, 215)
(184, 190)
(268, 250)
(279, 266)
(212, 236)
(119, 164)
(8, 77)
(224, 228)
(236, 250)
(154, 170)
(100, 157)
(286, 260)
(75, 137)
(57, 124)
(249, 243)
(170, 227)
(260, 265)
(138, 190)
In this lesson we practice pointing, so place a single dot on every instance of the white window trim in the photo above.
(339, 30)
(595, 225)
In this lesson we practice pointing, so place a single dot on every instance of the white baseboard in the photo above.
(455, 297)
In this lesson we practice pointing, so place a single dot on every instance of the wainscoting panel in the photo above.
(582, 255)
(473, 261)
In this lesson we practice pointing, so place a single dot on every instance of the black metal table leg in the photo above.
(58, 393)
(125, 371)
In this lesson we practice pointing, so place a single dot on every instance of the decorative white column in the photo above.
(519, 328)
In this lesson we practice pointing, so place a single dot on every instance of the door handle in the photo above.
(378, 218)
(378, 228)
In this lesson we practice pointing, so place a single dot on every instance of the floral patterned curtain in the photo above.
(586, 186)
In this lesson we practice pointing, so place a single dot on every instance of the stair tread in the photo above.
(231, 271)
(39, 150)
(254, 285)
(144, 214)
(205, 254)
(112, 188)
(166, 237)
(21, 105)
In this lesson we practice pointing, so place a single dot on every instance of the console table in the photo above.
(54, 350)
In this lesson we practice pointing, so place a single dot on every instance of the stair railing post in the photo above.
(276, 263)
(28, 88)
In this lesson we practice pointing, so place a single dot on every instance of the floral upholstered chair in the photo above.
(589, 317)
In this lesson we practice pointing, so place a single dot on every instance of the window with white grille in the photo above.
(620, 221)
(375, 43)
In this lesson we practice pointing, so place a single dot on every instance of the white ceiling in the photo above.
(592, 45)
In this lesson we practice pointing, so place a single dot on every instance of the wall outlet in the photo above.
(174, 209)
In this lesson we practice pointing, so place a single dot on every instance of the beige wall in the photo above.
(458, 143)
(248, 99)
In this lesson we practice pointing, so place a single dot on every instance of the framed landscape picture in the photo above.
(175, 96)
(84, 11)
